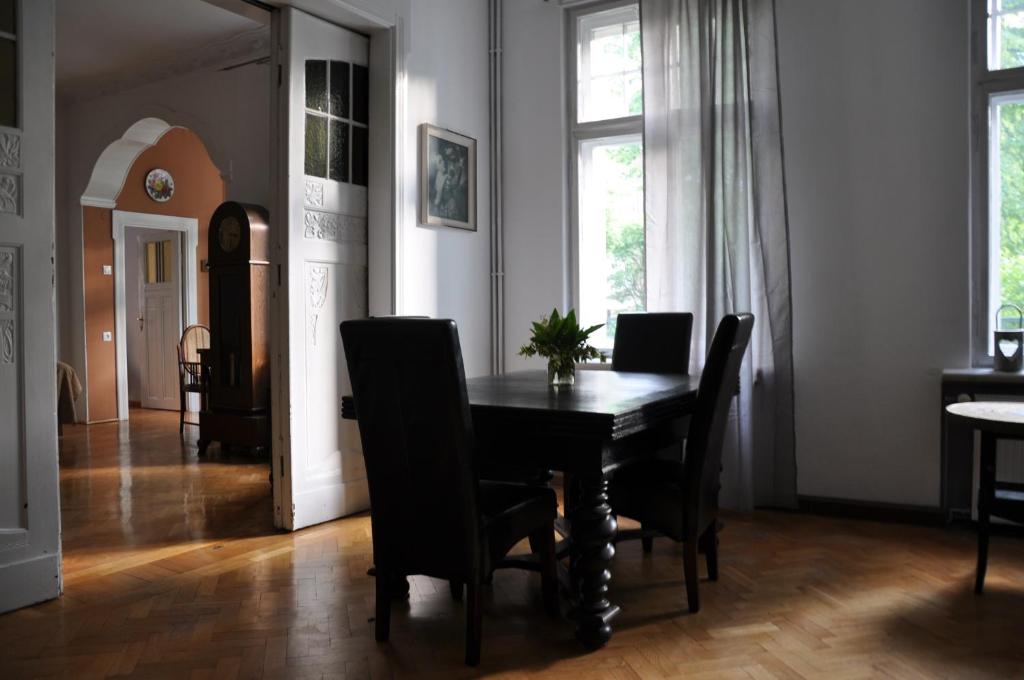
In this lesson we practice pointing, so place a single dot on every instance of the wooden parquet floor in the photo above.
(173, 570)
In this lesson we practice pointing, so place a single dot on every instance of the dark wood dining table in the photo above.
(586, 431)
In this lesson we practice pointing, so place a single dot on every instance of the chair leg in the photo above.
(181, 413)
(709, 542)
(474, 623)
(456, 589)
(382, 628)
(986, 493)
(692, 577)
(543, 543)
(647, 542)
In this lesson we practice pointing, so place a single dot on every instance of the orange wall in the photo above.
(198, 190)
(99, 313)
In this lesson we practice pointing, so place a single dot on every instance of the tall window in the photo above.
(606, 107)
(998, 190)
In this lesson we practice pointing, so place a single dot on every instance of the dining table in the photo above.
(585, 430)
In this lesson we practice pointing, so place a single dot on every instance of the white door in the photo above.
(320, 258)
(161, 321)
(29, 502)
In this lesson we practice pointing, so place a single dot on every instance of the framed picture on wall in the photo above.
(447, 178)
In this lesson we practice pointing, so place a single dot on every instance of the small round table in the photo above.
(995, 420)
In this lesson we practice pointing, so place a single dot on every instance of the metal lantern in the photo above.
(1009, 343)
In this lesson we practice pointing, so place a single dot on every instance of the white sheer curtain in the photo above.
(717, 232)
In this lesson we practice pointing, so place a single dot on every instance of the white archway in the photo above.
(112, 167)
(105, 184)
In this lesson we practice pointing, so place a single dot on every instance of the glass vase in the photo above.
(561, 371)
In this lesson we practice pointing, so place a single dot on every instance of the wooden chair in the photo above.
(680, 499)
(429, 512)
(647, 342)
(654, 342)
(190, 378)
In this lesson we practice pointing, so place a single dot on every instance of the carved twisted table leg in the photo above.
(593, 529)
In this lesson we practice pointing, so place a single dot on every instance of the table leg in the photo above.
(986, 493)
(592, 532)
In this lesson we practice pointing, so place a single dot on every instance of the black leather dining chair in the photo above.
(647, 342)
(653, 342)
(430, 514)
(680, 499)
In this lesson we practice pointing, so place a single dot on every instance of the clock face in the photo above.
(229, 234)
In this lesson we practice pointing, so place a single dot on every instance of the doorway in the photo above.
(155, 298)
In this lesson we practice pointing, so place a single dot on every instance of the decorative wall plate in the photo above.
(159, 185)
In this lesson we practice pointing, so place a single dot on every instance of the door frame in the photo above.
(189, 228)
(386, 194)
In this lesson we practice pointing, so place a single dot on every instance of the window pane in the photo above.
(612, 275)
(360, 94)
(360, 155)
(8, 83)
(1006, 36)
(339, 151)
(1006, 208)
(609, 66)
(316, 85)
(7, 17)
(316, 145)
(339, 88)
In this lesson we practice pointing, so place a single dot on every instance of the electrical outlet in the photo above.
(107, 336)
(108, 270)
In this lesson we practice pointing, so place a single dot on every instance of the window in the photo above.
(8, 64)
(998, 181)
(606, 107)
(337, 112)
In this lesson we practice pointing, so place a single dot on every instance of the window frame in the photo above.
(625, 126)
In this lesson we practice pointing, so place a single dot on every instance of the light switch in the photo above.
(108, 270)
(107, 336)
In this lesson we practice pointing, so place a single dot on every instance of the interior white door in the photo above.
(29, 500)
(161, 321)
(321, 259)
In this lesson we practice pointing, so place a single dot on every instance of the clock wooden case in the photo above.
(237, 411)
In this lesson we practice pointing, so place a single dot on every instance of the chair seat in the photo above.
(196, 388)
(651, 492)
(512, 512)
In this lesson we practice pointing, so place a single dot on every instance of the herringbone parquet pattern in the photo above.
(172, 570)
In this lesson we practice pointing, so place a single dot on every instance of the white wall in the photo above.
(229, 110)
(446, 272)
(875, 97)
(535, 170)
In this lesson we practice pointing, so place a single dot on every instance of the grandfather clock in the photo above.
(237, 364)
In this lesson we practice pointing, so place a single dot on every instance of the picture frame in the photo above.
(447, 178)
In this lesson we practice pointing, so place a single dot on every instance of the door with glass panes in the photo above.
(320, 258)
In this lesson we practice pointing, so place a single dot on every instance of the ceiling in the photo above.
(106, 46)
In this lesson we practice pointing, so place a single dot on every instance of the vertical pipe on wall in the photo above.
(497, 227)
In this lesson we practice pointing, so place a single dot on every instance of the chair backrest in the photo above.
(195, 338)
(409, 390)
(656, 342)
(702, 466)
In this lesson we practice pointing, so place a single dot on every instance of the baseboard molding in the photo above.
(870, 510)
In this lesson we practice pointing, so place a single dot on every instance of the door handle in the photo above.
(142, 323)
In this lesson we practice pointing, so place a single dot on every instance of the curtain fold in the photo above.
(717, 228)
